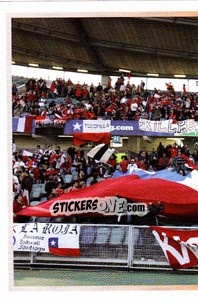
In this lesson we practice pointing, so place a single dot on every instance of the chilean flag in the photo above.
(178, 194)
(67, 246)
(24, 124)
(97, 131)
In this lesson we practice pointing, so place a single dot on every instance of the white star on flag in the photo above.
(77, 126)
(53, 243)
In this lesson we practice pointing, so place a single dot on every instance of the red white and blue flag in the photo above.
(179, 195)
(23, 125)
(64, 246)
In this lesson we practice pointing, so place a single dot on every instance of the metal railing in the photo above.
(125, 246)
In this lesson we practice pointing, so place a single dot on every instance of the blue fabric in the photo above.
(163, 174)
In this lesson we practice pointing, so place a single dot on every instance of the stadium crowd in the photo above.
(60, 171)
(123, 101)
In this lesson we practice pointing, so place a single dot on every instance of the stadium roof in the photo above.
(164, 46)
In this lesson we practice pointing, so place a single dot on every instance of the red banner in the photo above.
(83, 138)
(179, 246)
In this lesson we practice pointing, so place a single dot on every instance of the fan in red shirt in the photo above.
(173, 151)
(19, 203)
(124, 164)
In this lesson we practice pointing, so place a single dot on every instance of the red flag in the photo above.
(83, 138)
(179, 246)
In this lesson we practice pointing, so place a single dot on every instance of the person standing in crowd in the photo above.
(195, 155)
(26, 184)
(160, 149)
(44, 160)
(16, 184)
(124, 164)
(112, 163)
(173, 150)
(14, 147)
(19, 203)
(50, 184)
(132, 164)
(163, 162)
(153, 159)
(18, 164)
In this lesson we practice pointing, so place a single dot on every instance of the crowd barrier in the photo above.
(115, 246)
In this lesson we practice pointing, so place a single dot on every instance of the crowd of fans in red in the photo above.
(61, 171)
(121, 101)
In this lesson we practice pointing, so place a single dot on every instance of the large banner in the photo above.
(138, 128)
(179, 246)
(167, 127)
(179, 195)
(58, 239)
(101, 130)
(51, 125)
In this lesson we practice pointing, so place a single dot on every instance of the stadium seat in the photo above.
(87, 235)
(33, 203)
(75, 176)
(68, 178)
(135, 235)
(102, 235)
(118, 242)
(117, 235)
(89, 180)
(42, 220)
(38, 189)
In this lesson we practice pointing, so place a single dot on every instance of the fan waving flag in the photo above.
(97, 131)
(179, 246)
(101, 153)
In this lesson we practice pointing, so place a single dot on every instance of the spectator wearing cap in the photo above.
(41, 174)
(132, 165)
